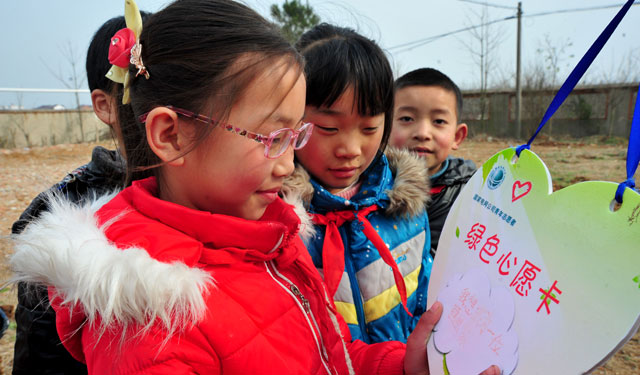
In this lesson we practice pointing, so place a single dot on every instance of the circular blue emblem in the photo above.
(495, 178)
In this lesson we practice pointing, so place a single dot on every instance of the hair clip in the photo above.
(136, 60)
(125, 48)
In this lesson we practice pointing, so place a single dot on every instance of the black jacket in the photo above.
(38, 349)
(445, 187)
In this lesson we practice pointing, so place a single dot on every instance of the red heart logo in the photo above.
(519, 190)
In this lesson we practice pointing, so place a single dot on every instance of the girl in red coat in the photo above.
(198, 266)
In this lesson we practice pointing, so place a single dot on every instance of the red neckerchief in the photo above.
(333, 248)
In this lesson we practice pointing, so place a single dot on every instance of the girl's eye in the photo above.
(325, 129)
(371, 129)
(277, 140)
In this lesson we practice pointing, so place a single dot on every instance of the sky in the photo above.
(37, 31)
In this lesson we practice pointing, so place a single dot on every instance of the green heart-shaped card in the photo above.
(535, 281)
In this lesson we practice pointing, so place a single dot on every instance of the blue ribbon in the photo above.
(633, 152)
(578, 72)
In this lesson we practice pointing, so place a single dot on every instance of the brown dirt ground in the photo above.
(26, 172)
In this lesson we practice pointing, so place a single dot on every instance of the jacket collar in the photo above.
(276, 227)
(443, 169)
(454, 171)
(376, 180)
(398, 183)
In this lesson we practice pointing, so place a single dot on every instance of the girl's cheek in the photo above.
(398, 139)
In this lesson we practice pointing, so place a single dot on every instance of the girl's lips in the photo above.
(269, 195)
(343, 172)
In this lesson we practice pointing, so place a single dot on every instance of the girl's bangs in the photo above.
(330, 74)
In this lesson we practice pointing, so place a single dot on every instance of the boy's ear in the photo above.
(104, 106)
(165, 137)
(461, 134)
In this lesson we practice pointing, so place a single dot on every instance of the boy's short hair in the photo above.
(431, 77)
(98, 64)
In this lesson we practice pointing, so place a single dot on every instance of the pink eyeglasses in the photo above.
(275, 144)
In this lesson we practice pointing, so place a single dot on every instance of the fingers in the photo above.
(415, 361)
(493, 370)
(417, 341)
(429, 319)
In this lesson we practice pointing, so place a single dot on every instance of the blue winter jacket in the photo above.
(367, 296)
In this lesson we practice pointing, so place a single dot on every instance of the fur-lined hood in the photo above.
(408, 196)
(66, 248)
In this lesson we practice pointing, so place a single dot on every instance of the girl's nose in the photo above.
(284, 163)
(349, 147)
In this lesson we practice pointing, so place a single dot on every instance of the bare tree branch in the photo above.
(73, 79)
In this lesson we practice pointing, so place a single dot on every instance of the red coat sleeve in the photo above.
(109, 353)
(385, 358)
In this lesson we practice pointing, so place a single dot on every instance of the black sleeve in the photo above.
(38, 349)
(438, 210)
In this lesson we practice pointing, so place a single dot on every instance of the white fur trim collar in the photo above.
(307, 229)
(66, 249)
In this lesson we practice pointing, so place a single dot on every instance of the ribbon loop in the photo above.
(630, 183)
(522, 147)
(633, 152)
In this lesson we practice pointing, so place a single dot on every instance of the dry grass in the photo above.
(27, 172)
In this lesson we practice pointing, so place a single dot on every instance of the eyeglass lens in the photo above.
(282, 140)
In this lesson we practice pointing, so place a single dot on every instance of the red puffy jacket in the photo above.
(154, 287)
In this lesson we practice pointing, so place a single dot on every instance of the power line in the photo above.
(489, 5)
(576, 10)
(420, 42)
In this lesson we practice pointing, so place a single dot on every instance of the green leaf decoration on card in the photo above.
(570, 260)
(444, 365)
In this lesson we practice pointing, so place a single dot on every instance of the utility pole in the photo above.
(518, 86)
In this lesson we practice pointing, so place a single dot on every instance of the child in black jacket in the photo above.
(426, 121)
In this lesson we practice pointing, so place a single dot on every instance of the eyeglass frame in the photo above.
(260, 138)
